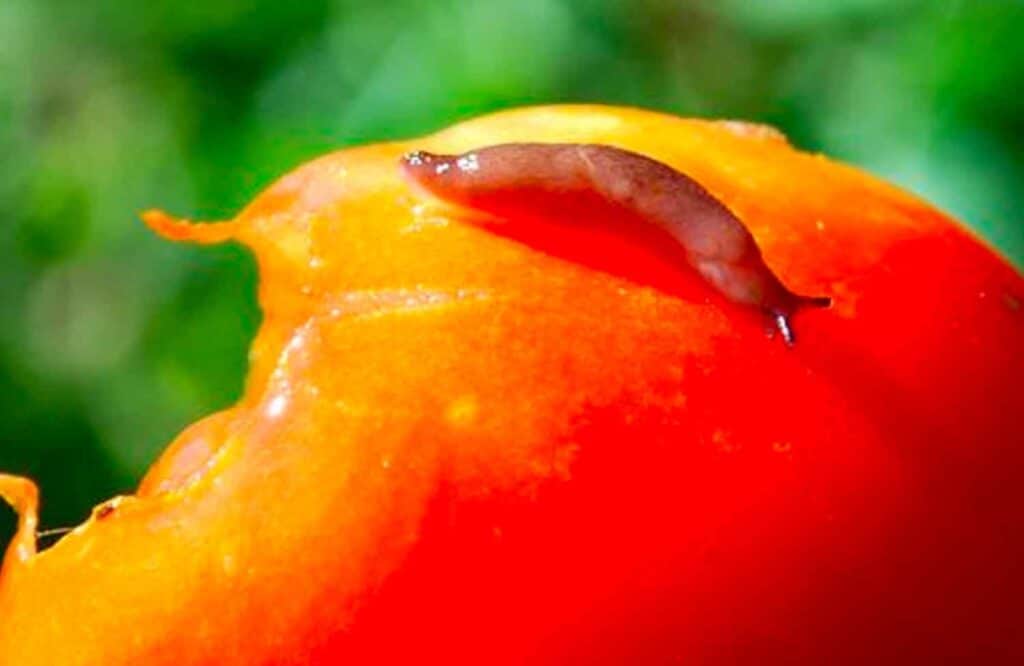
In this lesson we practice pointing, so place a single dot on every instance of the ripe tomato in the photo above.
(459, 447)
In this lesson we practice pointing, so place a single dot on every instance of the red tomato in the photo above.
(458, 447)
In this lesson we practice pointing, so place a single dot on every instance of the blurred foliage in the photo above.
(112, 341)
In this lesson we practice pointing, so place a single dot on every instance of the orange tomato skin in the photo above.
(458, 446)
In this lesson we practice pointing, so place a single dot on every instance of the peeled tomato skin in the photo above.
(463, 443)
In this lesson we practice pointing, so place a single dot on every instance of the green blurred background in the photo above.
(111, 341)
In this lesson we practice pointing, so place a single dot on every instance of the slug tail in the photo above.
(815, 302)
(780, 316)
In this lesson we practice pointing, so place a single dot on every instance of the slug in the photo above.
(546, 176)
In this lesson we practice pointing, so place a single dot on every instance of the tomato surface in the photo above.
(460, 443)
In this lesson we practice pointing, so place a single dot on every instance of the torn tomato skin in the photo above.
(455, 447)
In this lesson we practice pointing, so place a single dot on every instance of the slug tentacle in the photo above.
(715, 243)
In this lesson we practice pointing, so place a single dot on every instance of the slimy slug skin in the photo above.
(552, 177)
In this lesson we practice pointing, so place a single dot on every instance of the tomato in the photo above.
(457, 446)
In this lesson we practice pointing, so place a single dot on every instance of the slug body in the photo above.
(498, 179)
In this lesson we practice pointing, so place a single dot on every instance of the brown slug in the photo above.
(715, 242)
